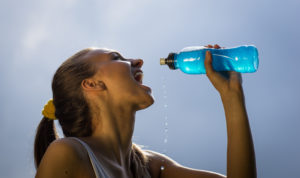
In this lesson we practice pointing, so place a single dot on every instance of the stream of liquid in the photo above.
(165, 117)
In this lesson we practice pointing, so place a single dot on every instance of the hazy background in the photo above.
(38, 35)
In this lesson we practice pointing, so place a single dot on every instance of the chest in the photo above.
(107, 167)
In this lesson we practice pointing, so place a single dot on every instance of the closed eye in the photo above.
(116, 56)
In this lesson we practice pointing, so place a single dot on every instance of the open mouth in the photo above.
(138, 76)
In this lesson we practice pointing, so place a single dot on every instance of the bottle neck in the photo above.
(170, 61)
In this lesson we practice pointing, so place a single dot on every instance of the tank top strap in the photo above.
(98, 169)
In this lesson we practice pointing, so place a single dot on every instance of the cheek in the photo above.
(116, 69)
(118, 76)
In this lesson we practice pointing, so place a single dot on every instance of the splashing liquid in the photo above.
(165, 124)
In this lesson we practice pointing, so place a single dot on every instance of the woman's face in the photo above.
(122, 78)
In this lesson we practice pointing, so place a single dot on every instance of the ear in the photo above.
(90, 84)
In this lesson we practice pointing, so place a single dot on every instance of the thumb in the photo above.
(215, 78)
(208, 65)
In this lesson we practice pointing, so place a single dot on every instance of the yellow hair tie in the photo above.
(49, 110)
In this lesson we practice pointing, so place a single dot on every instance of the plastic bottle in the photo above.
(190, 60)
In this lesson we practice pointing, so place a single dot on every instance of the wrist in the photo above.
(232, 95)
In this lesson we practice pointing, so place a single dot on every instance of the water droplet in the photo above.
(165, 107)
(162, 168)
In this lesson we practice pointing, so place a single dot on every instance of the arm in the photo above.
(240, 149)
(61, 159)
(161, 166)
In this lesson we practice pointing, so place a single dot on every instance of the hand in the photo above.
(225, 82)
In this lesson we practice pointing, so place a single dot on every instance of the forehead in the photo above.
(101, 55)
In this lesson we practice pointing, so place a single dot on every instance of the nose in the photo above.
(137, 63)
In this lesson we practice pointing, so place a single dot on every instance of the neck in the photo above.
(114, 130)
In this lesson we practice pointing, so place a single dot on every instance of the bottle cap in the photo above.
(162, 61)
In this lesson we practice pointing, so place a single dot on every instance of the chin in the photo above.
(147, 102)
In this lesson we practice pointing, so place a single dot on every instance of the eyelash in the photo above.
(116, 57)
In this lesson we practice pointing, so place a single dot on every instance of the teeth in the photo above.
(139, 74)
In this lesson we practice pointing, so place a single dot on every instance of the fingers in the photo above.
(216, 46)
(215, 78)
(209, 46)
(208, 64)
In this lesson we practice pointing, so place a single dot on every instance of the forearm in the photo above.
(240, 149)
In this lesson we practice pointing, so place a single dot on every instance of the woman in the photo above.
(96, 94)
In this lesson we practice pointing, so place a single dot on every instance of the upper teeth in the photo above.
(138, 73)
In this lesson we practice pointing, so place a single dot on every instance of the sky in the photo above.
(38, 35)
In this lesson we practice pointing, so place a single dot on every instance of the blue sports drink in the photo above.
(190, 60)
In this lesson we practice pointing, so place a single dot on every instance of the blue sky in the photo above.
(38, 35)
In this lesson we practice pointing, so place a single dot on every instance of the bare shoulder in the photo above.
(163, 166)
(63, 157)
(66, 147)
(158, 159)
(66, 144)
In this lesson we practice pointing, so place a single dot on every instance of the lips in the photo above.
(138, 76)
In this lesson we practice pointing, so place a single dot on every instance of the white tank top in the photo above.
(98, 169)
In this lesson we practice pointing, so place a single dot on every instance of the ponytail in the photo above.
(45, 134)
(72, 110)
(65, 105)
